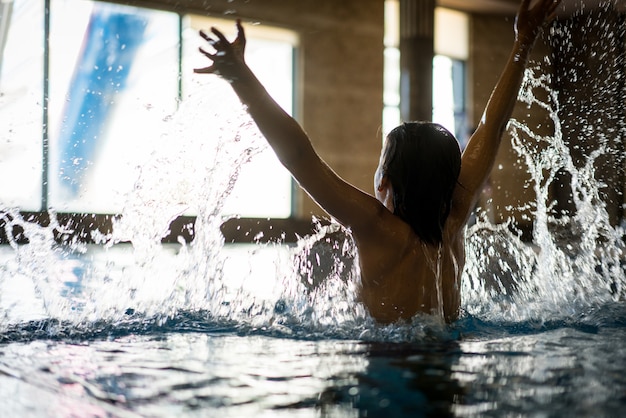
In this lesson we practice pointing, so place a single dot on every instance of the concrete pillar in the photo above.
(417, 35)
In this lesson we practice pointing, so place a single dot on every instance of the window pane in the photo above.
(264, 186)
(21, 98)
(113, 81)
(449, 96)
(113, 78)
(443, 97)
(391, 90)
(451, 33)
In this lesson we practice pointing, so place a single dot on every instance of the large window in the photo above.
(449, 75)
(449, 85)
(85, 87)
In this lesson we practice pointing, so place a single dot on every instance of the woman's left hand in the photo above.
(228, 59)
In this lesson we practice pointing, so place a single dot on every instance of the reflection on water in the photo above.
(558, 370)
(188, 374)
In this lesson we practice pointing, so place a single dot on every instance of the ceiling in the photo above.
(481, 6)
(511, 6)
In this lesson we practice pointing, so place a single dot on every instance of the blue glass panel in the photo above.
(108, 52)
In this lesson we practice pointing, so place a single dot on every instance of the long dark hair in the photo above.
(422, 160)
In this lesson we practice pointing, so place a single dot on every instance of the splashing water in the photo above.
(574, 264)
(129, 279)
(311, 288)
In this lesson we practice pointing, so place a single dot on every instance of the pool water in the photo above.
(115, 359)
(221, 371)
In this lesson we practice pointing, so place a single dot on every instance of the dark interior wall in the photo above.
(587, 67)
(491, 40)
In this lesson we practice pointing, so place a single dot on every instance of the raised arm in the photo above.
(341, 200)
(480, 153)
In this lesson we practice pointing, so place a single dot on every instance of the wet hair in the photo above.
(422, 160)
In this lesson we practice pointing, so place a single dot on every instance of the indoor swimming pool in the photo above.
(121, 324)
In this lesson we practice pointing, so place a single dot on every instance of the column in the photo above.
(417, 34)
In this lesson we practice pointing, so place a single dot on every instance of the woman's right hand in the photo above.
(530, 21)
(228, 59)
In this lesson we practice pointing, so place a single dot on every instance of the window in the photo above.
(391, 80)
(104, 109)
(79, 112)
(451, 51)
(264, 187)
(449, 86)
(21, 98)
(449, 96)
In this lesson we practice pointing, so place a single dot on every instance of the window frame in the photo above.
(84, 227)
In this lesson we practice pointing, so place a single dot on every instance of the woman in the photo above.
(410, 234)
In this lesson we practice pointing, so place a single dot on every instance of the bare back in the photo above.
(402, 276)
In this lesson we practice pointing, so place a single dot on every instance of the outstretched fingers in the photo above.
(210, 68)
(220, 36)
(547, 10)
(216, 44)
(227, 59)
(206, 70)
(531, 18)
(241, 35)
(204, 36)
(206, 53)
(547, 6)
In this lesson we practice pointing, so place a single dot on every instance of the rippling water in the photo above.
(549, 372)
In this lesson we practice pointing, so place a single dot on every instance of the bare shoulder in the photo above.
(384, 229)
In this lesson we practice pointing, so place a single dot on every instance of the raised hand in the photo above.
(228, 59)
(529, 21)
